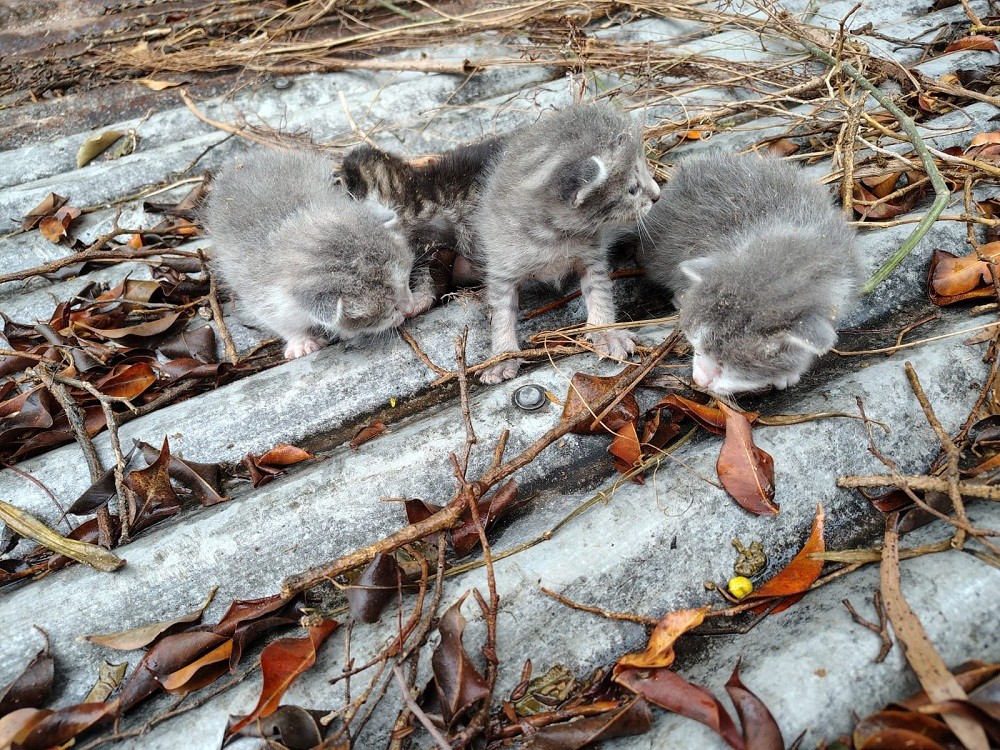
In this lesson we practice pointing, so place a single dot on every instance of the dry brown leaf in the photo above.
(974, 42)
(801, 572)
(659, 651)
(30, 527)
(746, 471)
(585, 390)
(939, 683)
(142, 636)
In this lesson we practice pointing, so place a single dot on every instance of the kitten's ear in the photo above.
(815, 334)
(581, 179)
(697, 268)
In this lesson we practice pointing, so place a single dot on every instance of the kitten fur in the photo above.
(761, 264)
(543, 212)
(303, 257)
(432, 194)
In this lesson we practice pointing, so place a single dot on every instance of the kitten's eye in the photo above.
(634, 190)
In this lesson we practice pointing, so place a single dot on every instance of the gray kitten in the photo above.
(305, 259)
(543, 211)
(761, 264)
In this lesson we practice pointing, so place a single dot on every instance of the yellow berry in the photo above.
(740, 586)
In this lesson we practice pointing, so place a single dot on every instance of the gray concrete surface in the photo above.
(646, 549)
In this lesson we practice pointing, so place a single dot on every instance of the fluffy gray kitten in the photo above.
(543, 211)
(761, 265)
(304, 258)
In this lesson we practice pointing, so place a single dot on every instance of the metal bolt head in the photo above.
(529, 397)
(282, 83)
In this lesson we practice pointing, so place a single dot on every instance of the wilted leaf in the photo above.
(987, 715)
(202, 671)
(127, 381)
(585, 390)
(760, 730)
(48, 207)
(456, 679)
(202, 479)
(271, 464)
(465, 536)
(632, 719)
(98, 494)
(902, 729)
(375, 588)
(920, 653)
(625, 448)
(244, 610)
(974, 42)
(153, 327)
(248, 632)
(30, 688)
(55, 227)
(801, 573)
(952, 279)
(782, 147)
(15, 726)
(155, 85)
(672, 692)
(281, 664)
(290, 726)
(746, 471)
(154, 497)
(198, 344)
(969, 676)
(366, 433)
(96, 145)
(887, 502)
(660, 649)
(883, 184)
(140, 637)
(63, 725)
(710, 417)
(109, 677)
(31, 528)
(167, 655)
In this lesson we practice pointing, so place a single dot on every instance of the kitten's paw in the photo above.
(296, 348)
(500, 372)
(421, 303)
(613, 343)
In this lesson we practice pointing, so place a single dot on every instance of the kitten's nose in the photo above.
(705, 370)
(653, 192)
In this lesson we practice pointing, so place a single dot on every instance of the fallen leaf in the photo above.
(926, 662)
(366, 433)
(969, 676)
(30, 688)
(672, 692)
(377, 585)
(63, 725)
(590, 389)
(155, 85)
(48, 207)
(15, 726)
(974, 42)
(881, 185)
(746, 471)
(782, 147)
(248, 632)
(30, 527)
(98, 494)
(245, 610)
(281, 663)
(166, 655)
(198, 344)
(457, 681)
(465, 536)
(625, 448)
(153, 327)
(203, 671)
(632, 719)
(129, 640)
(266, 467)
(712, 418)
(202, 479)
(55, 227)
(128, 381)
(795, 578)
(289, 726)
(153, 498)
(109, 677)
(953, 279)
(660, 649)
(886, 730)
(96, 145)
(760, 730)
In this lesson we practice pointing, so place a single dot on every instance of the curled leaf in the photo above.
(633, 718)
(96, 145)
(141, 637)
(585, 390)
(456, 679)
(795, 578)
(28, 526)
(746, 471)
(760, 730)
(660, 649)
(375, 588)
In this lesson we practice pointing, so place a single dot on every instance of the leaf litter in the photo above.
(46, 410)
